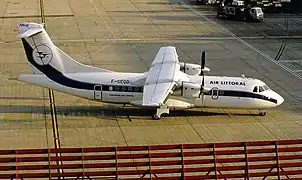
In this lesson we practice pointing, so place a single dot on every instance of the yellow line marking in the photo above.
(52, 103)
(42, 11)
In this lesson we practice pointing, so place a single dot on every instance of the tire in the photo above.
(155, 117)
(262, 113)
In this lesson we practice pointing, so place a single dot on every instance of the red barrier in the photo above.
(244, 160)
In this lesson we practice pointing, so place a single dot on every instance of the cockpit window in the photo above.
(261, 89)
(266, 87)
(255, 89)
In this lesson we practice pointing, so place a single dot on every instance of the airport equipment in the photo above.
(240, 10)
(270, 5)
(241, 160)
(207, 1)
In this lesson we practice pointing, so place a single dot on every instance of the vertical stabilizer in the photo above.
(44, 57)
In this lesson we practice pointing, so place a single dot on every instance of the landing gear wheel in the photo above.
(155, 117)
(262, 113)
(160, 111)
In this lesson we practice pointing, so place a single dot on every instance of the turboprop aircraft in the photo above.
(168, 85)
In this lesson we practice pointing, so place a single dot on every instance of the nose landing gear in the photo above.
(262, 112)
(155, 117)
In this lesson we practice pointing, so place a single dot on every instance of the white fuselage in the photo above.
(127, 88)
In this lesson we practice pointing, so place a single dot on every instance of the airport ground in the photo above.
(125, 36)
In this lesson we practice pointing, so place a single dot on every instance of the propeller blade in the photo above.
(202, 87)
(203, 59)
(202, 62)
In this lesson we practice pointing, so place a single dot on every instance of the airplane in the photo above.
(168, 85)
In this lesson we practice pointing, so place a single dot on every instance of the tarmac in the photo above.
(125, 36)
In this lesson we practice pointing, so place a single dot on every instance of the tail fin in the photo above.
(44, 57)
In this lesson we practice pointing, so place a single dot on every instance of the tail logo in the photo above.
(42, 54)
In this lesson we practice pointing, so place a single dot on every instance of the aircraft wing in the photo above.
(161, 78)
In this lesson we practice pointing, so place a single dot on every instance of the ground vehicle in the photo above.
(270, 5)
(207, 1)
(239, 11)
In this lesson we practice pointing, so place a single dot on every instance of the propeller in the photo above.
(202, 64)
(202, 61)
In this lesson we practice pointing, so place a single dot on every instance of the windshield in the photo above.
(266, 87)
(261, 88)
(259, 10)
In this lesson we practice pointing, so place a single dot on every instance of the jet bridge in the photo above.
(236, 160)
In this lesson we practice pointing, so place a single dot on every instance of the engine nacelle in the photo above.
(190, 69)
(188, 90)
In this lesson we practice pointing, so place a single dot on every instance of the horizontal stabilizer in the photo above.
(30, 33)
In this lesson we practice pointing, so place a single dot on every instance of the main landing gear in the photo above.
(159, 111)
(262, 112)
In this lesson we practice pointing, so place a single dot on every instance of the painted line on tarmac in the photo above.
(290, 61)
(213, 38)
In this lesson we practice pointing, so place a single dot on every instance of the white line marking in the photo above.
(210, 38)
(290, 61)
(242, 41)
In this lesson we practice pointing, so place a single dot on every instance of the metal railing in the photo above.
(245, 160)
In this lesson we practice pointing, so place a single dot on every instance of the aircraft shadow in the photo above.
(108, 111)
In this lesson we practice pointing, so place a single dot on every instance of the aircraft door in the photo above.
(98, 92)
(215, 93)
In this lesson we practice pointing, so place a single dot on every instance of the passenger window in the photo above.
(116, 88)
(129, 89)
(261, 89)
(255, 89)
(123, 88)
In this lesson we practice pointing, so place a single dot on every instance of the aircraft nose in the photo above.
(279, 98)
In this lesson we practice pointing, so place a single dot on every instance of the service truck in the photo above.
(240, 11)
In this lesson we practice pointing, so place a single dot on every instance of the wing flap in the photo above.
(156, 94)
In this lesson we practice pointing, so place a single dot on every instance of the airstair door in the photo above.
(98, 92)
